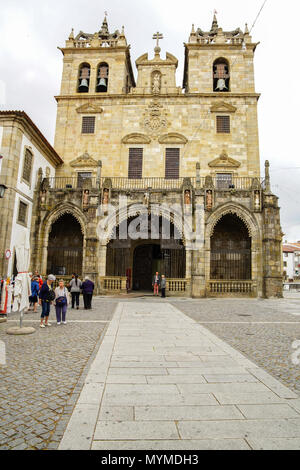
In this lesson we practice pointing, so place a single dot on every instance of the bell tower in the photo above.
(95, 67)
(219, 61)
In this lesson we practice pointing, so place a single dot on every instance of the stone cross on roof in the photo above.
(157, 36)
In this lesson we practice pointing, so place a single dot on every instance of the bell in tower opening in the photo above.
(102, 78)
(221, 75)
(84, 78)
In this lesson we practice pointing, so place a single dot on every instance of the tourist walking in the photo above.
(163, 286)
(61, 302)
(87, 291)
(156, 283)
(75, 285)
(33, 299)
(46, 297)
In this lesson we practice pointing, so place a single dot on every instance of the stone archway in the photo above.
(65, 247)
(230, 254)
(55, 216)
(245, 263)
(138, 259)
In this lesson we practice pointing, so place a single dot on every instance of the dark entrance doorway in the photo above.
(230, 250)
(146, 261)
(65, 248)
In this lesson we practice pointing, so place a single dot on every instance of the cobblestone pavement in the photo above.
(44, 375)
(263, 330)
(45, 372)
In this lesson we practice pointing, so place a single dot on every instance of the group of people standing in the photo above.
(159, 282)
(61, 297)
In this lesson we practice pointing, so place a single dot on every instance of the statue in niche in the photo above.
(146, 199)
(105, 197)
(187, 197)
(85, 198)
(43, 195)
(256, 200)
(209, 201)
(156, 83)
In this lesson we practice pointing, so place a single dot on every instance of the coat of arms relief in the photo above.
(155, 118)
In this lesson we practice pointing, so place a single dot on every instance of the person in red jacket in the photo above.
(40, 279)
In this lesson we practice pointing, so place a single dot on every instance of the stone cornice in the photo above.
(161, 97)
(229, 46)
(78, 50)
(38, 139)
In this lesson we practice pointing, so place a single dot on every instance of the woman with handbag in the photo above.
(61, 302)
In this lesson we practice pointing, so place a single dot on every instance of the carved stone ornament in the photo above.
(173, 138)
(222, 107)
(223, 161)
(89, 108)
(155, 120)
(85, 161)
(136, 138)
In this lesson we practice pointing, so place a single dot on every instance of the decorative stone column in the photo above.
(101, 264)
(272, 243)
(197, 253)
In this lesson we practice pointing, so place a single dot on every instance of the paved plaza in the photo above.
(152, 374)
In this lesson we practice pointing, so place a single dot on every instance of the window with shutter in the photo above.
(88, 124)
(223, 124)
(172, 163)
(135, 166)
(27, 166)
(22, 215)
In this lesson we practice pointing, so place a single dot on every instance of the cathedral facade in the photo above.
(146, 153)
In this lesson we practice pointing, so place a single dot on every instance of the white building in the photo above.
(26, 158)
(291, 261)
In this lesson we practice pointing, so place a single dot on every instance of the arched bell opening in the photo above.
(65, 247)
(102, 78)
(231, 245)
(221, 75)
(158, 249)
(84, 78)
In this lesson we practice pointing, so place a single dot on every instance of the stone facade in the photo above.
(211, 120)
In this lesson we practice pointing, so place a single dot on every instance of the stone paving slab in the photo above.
(209, 444)
(199, 392)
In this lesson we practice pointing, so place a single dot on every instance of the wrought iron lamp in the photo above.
(2, 190)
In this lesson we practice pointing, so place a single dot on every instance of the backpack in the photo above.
(63, 299)
(50, 296)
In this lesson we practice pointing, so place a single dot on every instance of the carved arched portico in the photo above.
(129, 246)
(47, 224)
(252, 227)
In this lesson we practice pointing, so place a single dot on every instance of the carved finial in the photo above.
(193, 29)
(267, 176)
(104, 28)
(215, 26)
(246, 29)
(123, 31)
(71, 35)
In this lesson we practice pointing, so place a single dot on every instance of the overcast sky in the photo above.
(31, 64)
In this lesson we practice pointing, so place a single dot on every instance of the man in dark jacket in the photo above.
(87, 291)
(45, 299)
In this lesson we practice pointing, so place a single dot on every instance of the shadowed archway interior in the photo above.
(230, 250)
(65, 248)
(140, 259)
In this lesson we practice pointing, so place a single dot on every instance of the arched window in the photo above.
(84, 78)
(221, 75)
(102, 78)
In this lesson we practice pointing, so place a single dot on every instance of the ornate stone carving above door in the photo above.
(223, 161)
(84, 160)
